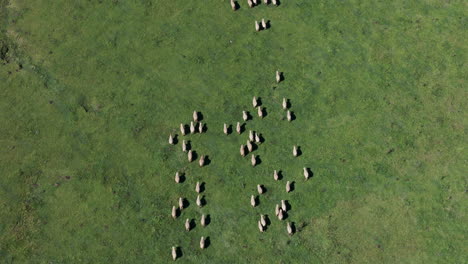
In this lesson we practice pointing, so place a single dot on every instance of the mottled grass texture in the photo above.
(90, 91)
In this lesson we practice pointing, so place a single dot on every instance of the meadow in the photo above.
(91, 90)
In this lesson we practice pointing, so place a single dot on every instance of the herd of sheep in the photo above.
(254, 138)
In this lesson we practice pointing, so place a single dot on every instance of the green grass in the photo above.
(92, 89)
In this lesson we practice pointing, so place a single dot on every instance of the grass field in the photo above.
(91, 90)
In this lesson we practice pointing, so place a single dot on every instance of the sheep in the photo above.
(200, 127)
(202, 242)
(255, 2)
(201, 162)
(181, 203)
(177, 177)
(288, 186)
(251, 136)
(253, 160)
(275, 2)
(192, 128)
(275, 175)
(174, 253)
(187, 225)
(195, 116)
(171, 139)
(245, 116)
(253, 201)
(277, 209)
(289, 228)
(249, 146)
(278, 74)
(198, 187)
(285, 104)
(280, 214)
(262, 220)
(254, 102)
(295, 152)
(260, 112)
(238, 128)
(250, 3)
(190, 156)
(306, 173)
(257, 26)
(199, 202)
(260, 189)
(203, 220)
(266, 2)
(242, 150)
(260, 227)
(225, 129)
(257, 138)
(184, 146)
(182, 129)
(174, 212)
(283, 205)
(264, 25)
(289, 116)
(233, 5)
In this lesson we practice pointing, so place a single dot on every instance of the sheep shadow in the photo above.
(202, 201)
(285, 215)
(249, 116)
(299, 151)
(192, 224)
(267, 220)
(293, 227)
(207, 242)
(229, 129)
(188, 145)
(175, 139)
(280, 175)
(288, 205)
(293, 186)
(259, 101)
(203, 128)
(207, 220)
(194, 155)
(242, 128)
(278, 2)
(262, 139)
(200, 116)
(264, 189)
(236, 6)
(267, 24)
(257, 201)
(265, 112)
(311, 173)
(288, 104)
(182, 178)
(185, 203)
(202, 187)
(207, 160)
(281, 76)
(293, 116)
(258, 159)
(179, 253)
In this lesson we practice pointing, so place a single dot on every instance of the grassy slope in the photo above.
(378, 90)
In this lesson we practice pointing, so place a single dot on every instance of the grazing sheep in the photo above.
(253, 160)
(171, 139)
(289, 116)
(260, 189)
(242, 150)
(283, 205)
(278, 75)
(182, 129)
(195, 116)
(187, 225)
(285, 104)
(277, 209)
(257, 138)
(202, 242)
(255, 2)
(266, 2)
(251, 136)
(275, 2)
(262, 220)
(174, 253)
(238, 128)
(190, 156)
(275, 175)
(250, 3)
(280, 214)
(177, 177)
(233, 5)
(199, 202)
(200, 127)
(198, 187)
(254, 102)
(201, 162)
(295, 153)
(181, 203)
(245, 116)
(203, 220)
(257, 26)
(264, 25)
(288, 186)
(306, 173)
(225, 129)
(260, 112)
(249, 146)
(174, 212)
(289, 228)
(192, 128)
(184, 146)
(260, 227)
(253, 201)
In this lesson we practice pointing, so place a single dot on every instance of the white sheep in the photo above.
(184, 146)
(174, 212)
(288, 186)
(225, 129)
(275, 175)
(253, 160)
(195, 116)
(260, 189)
(181, 203)
(203, 220)
(238, 128)
(171, 139)
(253, 201)
(242, 150)
(289, 116)
(233, 5)
(262, 220)
(295, 152)
(201, 162)
(251, 136)
(257, 26)
(255, 2)
(182, 129)
(200, 127)
(202, 242)
(245, 116)
(250, 3)
(174, 253)
(249, 146)
(285, 104)
(280, 214)
(199, 202)
(275, 2)
(266, 2)
(289, 228)
(264, 25)
(198, 187)
(257, 138)
(177, 177)
(306, 173)
(254, 102)
(190, 156)
(277, 209)
(260, 112)
(278, 75)
(192, 128)
(283, 205)
(187, 225)
(260, 227)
